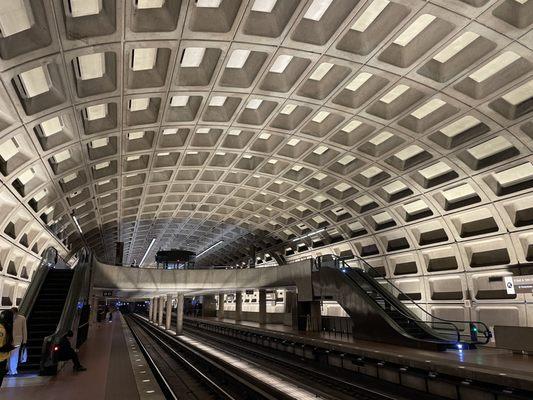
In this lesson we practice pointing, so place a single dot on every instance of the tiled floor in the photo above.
(109, 374)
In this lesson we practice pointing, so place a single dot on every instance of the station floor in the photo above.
(111, 359)
(486, 364)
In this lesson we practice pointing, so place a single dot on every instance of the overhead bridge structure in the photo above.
(376, 312)
(141, 283)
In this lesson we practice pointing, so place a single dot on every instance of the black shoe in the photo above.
(80, 368)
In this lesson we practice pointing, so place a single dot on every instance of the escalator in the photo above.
(56, 301)
(45, 314)
(377, 309)
(404, 318)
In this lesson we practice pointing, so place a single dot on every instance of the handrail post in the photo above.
(473, 332)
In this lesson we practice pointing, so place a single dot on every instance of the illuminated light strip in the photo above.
(147, 251)
(309, 235)
(209, 248)
(253, 370)
(77, 223)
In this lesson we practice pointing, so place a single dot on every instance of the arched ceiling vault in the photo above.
(393, 124)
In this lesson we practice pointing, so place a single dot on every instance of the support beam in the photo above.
(179, 314)
(160, 311)
(168, 316)
(238, 306)
(262, 306)
(220, 311)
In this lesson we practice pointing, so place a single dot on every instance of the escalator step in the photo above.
(35, 348)
(46, 314)
(43, 333)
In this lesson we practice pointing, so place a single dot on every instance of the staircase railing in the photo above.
(475, 328)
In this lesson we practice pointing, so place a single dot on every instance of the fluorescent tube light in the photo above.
(77, 223)
(209, 248)
(309, 235)
(147, 251)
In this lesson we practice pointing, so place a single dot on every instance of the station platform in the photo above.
(116, 369)
(485, 364)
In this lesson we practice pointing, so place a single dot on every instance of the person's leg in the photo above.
(3, 371)
(13, 361)
(76, 360)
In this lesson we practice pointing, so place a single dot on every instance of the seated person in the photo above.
(65, 352)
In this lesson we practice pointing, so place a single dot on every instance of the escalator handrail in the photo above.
(486, 333)
(422, 324)
(48, 260)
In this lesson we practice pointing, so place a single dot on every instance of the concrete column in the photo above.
(168, 316)
(151, 310)
(179, 314)
(238, 306)
(308, 315)
(262, 306)
(315, 316)
(160, 311)
(156, 309)
(288, 300)
(220, 311)
(291, 303)
(208, 306)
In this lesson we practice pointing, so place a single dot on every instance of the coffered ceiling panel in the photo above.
(254, 123)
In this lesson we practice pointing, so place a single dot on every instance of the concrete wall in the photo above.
(271, 318)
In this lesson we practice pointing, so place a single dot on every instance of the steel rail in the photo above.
(261, 389)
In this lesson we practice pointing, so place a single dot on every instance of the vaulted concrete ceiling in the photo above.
(394, 124)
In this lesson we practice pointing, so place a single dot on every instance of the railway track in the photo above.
(282, 370)
(185, 372)
(325, 383)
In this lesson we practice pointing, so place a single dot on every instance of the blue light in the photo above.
(460, 346)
